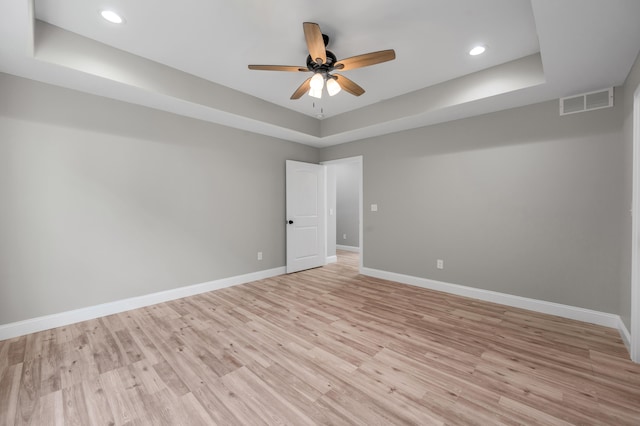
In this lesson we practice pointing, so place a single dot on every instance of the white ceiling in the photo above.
(190, 57)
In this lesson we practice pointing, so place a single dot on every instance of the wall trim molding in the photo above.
(332, 259)
(552, 308)
(626, 335)
(20, 328)
(634, 346)
(348, 248)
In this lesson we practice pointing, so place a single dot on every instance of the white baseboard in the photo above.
(348, 248)
(625, 334)
(20, 328)
(332, 259)
(565, 311)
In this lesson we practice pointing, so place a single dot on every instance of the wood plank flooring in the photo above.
(325, 346)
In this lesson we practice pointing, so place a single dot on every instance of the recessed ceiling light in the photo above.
(112, 16)
(477, 50)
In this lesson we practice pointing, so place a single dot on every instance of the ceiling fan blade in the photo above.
(348, 85)
(304, 88)
(365, 60)
(315, 42)
(292, 68)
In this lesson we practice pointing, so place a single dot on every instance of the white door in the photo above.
(305, 216)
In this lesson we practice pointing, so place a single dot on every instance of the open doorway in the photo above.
(344, 208)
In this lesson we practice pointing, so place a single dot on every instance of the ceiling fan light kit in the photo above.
(333, 87)
(315, 92)
(323, 63)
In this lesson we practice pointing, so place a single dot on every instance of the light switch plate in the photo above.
(374, 207)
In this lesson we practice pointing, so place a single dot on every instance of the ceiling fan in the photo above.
(322, 63)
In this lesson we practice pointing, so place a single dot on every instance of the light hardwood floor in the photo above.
(324, 346)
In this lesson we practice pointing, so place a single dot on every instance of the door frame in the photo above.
(357, 159)
(634, 350)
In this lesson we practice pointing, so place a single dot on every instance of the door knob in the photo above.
(290, 222)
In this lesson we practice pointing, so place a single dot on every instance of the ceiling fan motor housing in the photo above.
(322, 68)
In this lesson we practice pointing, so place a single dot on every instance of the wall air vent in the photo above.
(587, 101)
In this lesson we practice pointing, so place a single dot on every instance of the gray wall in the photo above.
(347, 204)
(102, 200)
(523, 202)
(631, 84)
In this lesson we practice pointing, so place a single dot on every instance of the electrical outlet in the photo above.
(259, 255)
(344, 236)
(440, 264)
